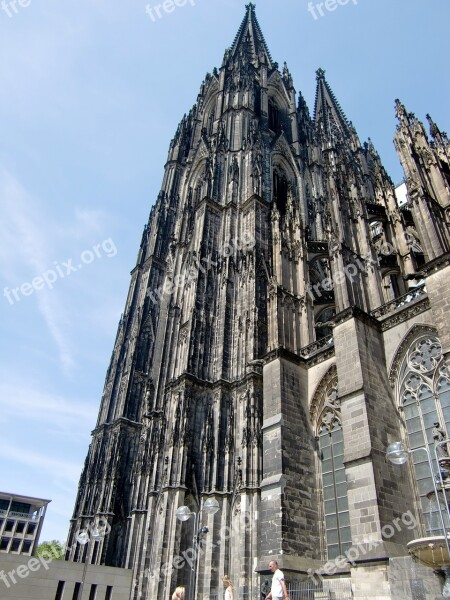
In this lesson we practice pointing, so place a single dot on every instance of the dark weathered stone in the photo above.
(268, 236)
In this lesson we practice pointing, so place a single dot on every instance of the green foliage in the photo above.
(53, 548)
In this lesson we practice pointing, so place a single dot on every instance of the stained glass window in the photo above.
(331, 444)
(424, 389)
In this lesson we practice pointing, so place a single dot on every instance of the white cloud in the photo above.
(30, 249)
(27, 402)
(58, 469)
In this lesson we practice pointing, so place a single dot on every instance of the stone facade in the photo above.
(278, 291)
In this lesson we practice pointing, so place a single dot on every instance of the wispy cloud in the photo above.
(26, 402)
(29, 248)
(58, 469)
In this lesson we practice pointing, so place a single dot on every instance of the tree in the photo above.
(54, 548)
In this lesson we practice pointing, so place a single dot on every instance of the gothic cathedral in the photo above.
(286, 321)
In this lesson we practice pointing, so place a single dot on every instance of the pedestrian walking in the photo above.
(179, 593)
(229, 593)
(278, 589)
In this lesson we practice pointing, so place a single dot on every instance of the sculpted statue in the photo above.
(439, 435)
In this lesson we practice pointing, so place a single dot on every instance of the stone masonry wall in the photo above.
(378, 493)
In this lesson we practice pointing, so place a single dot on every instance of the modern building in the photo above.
(33, 578)
(21, 520)
(286, 321)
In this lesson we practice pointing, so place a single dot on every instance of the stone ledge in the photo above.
(273, 422)
(273, 481)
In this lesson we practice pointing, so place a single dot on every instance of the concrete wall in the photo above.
(30, 578)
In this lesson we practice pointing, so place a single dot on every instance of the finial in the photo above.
(434, 130)
(320, 74)
(400, 111)
(250, 7)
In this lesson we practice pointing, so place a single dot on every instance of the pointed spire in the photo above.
(328, 114)
(439, 137)
(302, 107)
(287, 77)
(434, 129)
(250, 38)
(401, 113)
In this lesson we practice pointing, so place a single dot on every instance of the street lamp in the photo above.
(397, 454)
(184, 513)
(83, 538)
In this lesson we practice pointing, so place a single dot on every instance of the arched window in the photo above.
(424, 394)
(323, 325)
(320, 277)
(376, 230)
(335, 500)
(391, 288)
(274, 117)
(416, 249)
(280, 189)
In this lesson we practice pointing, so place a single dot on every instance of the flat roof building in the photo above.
(21, 520)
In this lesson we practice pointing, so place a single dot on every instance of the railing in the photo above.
(315, 347)
(391, 306)
(327, 589)
(318, 247)
(374, 209)
(28, 516)
(237, 596)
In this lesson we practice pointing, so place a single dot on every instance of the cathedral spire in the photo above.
(328, 115)
(438, 136)
(250, 38)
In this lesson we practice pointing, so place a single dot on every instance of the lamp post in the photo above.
(397, 454)
(184, 513)
(84, 538)
(443, 461)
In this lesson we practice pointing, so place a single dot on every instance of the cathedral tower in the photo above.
(250, 340)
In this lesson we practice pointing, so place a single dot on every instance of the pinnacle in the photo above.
(250, 36)
(327, 109)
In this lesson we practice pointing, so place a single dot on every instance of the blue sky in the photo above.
(91, 94)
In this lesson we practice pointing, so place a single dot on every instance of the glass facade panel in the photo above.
(331, 521)
(4, 542)
(330, 507)
(20, 527)
(21, 507)
(346, 535)
(333, 551)
(328, 479)
(345, 519)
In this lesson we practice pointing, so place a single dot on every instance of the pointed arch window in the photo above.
(323, 323)
(274, 117)
(280, 189)
(424, 394)
(335, 498)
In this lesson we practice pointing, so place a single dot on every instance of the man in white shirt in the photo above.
(279, 589)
